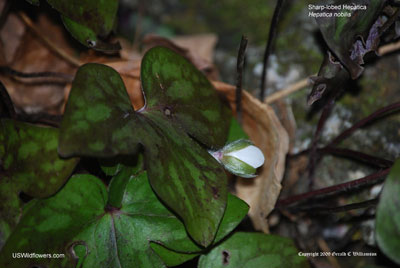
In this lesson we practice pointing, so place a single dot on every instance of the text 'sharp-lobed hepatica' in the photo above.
(182, 111)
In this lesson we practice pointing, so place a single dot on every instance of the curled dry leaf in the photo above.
(267, 133)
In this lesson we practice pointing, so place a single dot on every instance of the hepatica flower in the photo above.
(240, 157)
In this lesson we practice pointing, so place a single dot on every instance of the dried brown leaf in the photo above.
(265, 130)
(39, 94)
(11, 35)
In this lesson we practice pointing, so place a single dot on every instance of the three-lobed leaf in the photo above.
(29, 164)
(181, 104)
(75, 222)
(388, 215)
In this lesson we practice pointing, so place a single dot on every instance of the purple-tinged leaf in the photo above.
(29, 163)
(99, 121)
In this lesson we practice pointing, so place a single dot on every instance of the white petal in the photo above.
(250, 155)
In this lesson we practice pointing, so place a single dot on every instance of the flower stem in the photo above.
(116, 189)
(370, 179)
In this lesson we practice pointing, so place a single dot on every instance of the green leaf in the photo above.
(75, 221)
(254, 250)
(30, 164)
(174, 86)
(99, 121)
(388, 215)
(97, 15)
(173, 255)
(341, 33)
(88, 19)
(87, 36)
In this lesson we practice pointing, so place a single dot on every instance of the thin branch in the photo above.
(53, 47)
(268, 48)
(287, 91)
(339, 188)
(12, 72)
(381, 112)
(239, 69)
(326, 210)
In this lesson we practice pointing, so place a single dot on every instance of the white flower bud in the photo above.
(240, 157)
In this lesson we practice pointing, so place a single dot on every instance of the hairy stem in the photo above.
(116, 189)
(268, 48)
(324, 210)
(239, 68)
(379, 113)
(339, 188)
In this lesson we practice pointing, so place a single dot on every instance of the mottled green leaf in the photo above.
(341, 33)
(175, 87)
(87, 20)
(388, 215)
(172, 255)
(254, 250)
(97, 15)
(87, 36)
(29, 163)
(75, 221)
(99, 121)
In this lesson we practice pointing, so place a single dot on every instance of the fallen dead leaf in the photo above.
(38, 94)
(265, 130)
(11, 35)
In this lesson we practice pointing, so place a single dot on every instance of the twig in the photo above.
(381, 112)
(12, 72)
(268, 48)
(28, 22)
(324, 247)
(287, 91)
(239, 69)
(6, 100)
(323, 210)
(367, 180)
(389, 48)
(383, 50)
